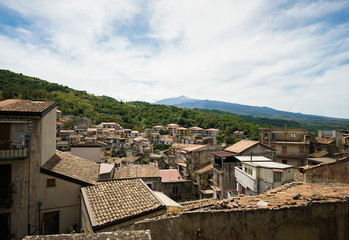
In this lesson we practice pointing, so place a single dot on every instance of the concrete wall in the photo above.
(260, 150)
(316, 221)
(90, 153)
(47, 136)
(64, 197)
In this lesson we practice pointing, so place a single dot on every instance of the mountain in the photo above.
(141, 115)
(255, 111)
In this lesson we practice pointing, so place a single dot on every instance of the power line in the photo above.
(321, 70)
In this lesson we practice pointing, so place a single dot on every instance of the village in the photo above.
(168, 182)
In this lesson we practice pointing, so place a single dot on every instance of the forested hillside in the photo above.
(134, 115)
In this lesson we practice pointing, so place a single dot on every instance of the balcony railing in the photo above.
(246, 180)
(13, 149)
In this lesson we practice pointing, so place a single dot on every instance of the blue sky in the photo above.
(262, 53)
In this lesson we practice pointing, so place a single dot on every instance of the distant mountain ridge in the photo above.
(240, 109)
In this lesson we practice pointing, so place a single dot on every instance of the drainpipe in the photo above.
(39, 217)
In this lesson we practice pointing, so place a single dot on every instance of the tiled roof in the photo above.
(286, 196)
(293, 195)
(119, 200)
(130, 159)
(170, 175)
(339, 161)
(124, 235)
(318, 154)
(25, 106)
(204, 169)
(139, 171)
(72, 167)
(223, 154)
(241, 146)
(326, 140)
(191, 205)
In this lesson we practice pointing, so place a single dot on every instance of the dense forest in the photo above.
(137, 115)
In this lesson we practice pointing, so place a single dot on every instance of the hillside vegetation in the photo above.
(133, 115)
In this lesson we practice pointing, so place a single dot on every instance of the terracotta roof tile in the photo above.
(28, 106)
(170, 175)
(139, 171)
(118, 200)
(204, 169)
(73, 167)
(241, 146)
(288, 195)
(191, 205)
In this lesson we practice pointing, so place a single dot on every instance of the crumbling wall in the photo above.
(315, 221)
(336, 172)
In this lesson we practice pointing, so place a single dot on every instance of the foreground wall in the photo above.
(316, 221)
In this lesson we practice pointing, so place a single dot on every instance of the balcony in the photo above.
(246, 180)
(11, 150)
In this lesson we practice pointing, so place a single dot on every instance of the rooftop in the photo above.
(286, 196)
(204, 169)
(241, 146)
(119, 200)
(170, 175)
(25, 107)
(72, 168)
(254, 159)
(223, 154)
(139, 171)
(274, 165)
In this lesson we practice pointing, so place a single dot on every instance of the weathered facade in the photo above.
(292, 145)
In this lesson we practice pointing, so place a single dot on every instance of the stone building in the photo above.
(27, 141)
(292, 145)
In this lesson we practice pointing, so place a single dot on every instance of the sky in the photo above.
(288, 55)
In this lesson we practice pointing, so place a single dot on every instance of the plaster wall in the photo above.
(90, 153)
(47, 136)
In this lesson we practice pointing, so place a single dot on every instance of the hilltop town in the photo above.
(62, 174)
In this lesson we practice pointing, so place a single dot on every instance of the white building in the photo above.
(254, 178)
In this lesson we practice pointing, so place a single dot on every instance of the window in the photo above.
(301, 149)
(284, 161)
(293, 135)
(284, 150)
(277, 176)
(51, 182)
(150, 185)
(248, 171)
(175, 190)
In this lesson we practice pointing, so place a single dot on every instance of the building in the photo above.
(254, 178)
(113, 205)
(149, 173)
(224, 163)
(292, 145)
(174, 186)
(62, 176)
(27, 141)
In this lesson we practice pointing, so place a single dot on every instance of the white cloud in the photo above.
(251, 52)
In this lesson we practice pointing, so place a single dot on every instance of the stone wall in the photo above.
(335, 172)
(315, 221)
